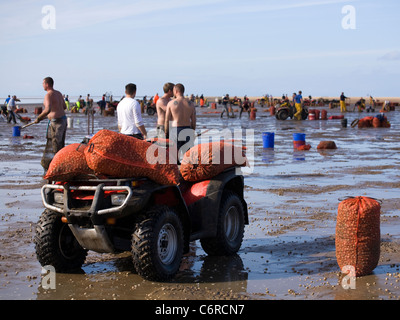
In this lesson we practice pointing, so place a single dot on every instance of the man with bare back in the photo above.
(54, 106)
(161, 107)
(180, 121)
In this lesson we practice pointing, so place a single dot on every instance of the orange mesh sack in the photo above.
(117, 155)
(376, 123)
(206, 160)
(327, 145)
(366, 122)
(358, 235)
(69, 163)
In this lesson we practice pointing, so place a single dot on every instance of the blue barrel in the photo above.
(16, 132)
(299, 137)
(268, 140)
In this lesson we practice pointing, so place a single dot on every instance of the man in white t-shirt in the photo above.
(11, 107)
(129, 115)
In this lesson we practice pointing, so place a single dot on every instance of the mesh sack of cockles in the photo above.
(365, 122)
(358, 235)
(69, 163)
(206, 160)
(117, 155)
(327, 145)
(380, 121)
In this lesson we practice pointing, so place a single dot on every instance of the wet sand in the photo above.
(289, 247)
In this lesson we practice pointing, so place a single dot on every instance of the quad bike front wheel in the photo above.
(230, 227)
(157, 244)
(56, 245)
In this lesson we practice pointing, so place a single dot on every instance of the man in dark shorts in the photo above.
(161, 106)
(180, 121)
(245, 106)
(54, 106)
(225, 102)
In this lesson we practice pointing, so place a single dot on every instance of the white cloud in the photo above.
(391, 56)
(266, 6)
(73, 14)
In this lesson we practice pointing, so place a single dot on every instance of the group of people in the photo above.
(245, 105)
(176, 118)
(227, 104)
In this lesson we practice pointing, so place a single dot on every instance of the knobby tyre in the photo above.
(157, 244)
(230, 227)
(55, 245)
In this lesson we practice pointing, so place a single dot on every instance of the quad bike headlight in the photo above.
(118, 199)
(58, 197)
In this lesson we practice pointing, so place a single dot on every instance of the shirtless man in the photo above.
(180, 120)
(54, 106)
(161, 107)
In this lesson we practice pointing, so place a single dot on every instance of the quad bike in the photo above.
(285, 111)
(155, 222)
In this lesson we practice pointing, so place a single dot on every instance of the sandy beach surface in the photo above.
(288, 252)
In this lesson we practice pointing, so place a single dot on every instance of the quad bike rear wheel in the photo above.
(230, 227)
(151, 111)
(56, 245)
(157, 244)
(282, 114)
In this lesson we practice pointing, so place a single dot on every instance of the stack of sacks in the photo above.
(115, 155)
(380, 121)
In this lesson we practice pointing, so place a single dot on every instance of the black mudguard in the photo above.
(204, 213)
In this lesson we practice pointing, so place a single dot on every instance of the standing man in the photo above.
(343, 103)
(54, 106)
(11, 110)
(67, 102)
(225, 102)
(299, 106)
(129, 116)
(161, 107)
(180, 121)
(7, 100)
(245, 106)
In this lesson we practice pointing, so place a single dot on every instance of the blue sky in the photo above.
(213, 47)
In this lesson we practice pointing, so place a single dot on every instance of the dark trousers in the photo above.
(11, 116)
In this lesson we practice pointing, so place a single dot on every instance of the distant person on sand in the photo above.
(294, 99)
(7, 100)
(54, 110)
(180, 121)
(67, 102)
(299, 106)
(161, 106)
(343, 103)
(89, 102)
(225, 102)
(4, 107)
(11, 107)
(155, 99)
(245, 106)
(129, 115)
